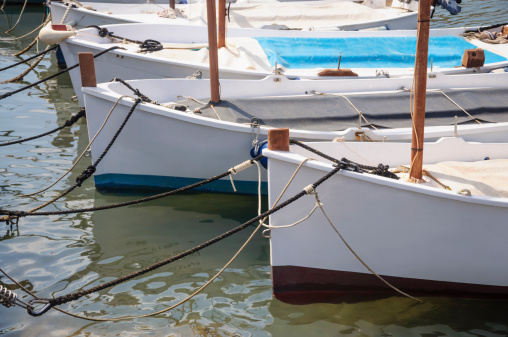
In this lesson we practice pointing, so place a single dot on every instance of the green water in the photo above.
(56, 255)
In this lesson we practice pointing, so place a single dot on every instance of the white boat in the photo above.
(342, 14)
(435, 230)
(421, 238)
(252, 53)
(162, 146)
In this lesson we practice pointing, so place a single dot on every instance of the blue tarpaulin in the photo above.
(365, 52)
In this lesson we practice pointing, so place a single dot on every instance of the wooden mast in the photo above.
(420, 87)
(222, 23)
(213, 51)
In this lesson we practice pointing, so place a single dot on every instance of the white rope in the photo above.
(19, 18)
(350, 103)
(318, 202)
(23, 36)
(216, 114)
(309, 189)
(238, 168)
(83, 153)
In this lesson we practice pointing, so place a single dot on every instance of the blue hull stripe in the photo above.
(146, 182)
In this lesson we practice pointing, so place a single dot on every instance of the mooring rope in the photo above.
(191, 295)
(55, 75)
(16, 214)
(44, 22)
(148, 45)
(320, 205)
(23, 36)
(19, 53)
(82, 153)
(23, 74)
(20, 15)
(380, 170)
(49, 303)
(67, 123)
(89, 171)
(30, 58)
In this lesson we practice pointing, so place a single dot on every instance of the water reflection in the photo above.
(57, 255)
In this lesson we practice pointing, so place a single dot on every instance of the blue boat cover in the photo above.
(365, 52)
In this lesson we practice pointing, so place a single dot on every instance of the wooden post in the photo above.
(420, 87)
(278, 139)
(87, 69)
(212, 51)
(172, 4)
(222, 23)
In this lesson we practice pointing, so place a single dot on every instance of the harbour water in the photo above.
(55, 255)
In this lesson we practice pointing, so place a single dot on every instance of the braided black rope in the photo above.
(87, 173)
(126, 203)
(150, 46)
(30, 58)
(380, 170)
(67, 123)
(103, 32)
(55, 75)
(136, 91)
(76, 295)
(144, 46)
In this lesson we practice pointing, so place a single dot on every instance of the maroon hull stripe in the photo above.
(299, 285)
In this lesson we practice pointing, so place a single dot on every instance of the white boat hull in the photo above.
(165, 148)
(424, 241)
(129, 64)
(400, 16)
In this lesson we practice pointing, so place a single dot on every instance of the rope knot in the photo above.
(103, 32)
(309, 189)
(150, 46)
(238, 168)
(87, 173)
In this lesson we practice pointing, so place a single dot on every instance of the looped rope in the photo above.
(76, 295)
(150, 46)
(380, 170)
(103, 32)
(87, 173)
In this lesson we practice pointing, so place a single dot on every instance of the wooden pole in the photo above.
(222, 23)
(172, 4)
(420, 87)
(278, 139)
(213, 51)
(87, 69)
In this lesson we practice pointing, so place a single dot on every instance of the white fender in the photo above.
(50, 36)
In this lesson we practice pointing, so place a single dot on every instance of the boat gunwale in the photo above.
(296, 159)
